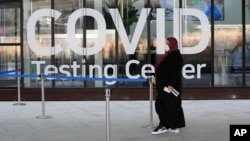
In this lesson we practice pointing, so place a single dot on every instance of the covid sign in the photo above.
(129, 45)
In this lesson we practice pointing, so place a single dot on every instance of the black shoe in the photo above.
(159, 130)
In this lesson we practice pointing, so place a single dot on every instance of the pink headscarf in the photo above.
(172, 43)
(173, 46)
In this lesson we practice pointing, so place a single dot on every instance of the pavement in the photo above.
(206, 120)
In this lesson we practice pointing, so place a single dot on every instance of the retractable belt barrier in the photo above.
(107, 92)
(74, 78)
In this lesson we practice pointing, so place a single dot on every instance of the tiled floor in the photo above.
(207, 120)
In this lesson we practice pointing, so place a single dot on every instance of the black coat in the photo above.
(168, 106)
(168, 72)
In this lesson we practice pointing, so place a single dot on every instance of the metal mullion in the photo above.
(116, 48)
(84, 39)
(10, 44)
(244, 44)
(52, 59)
(212, 44)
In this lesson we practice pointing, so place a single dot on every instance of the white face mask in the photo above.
(166, 47)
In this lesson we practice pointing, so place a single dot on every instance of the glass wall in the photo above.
(123, 39)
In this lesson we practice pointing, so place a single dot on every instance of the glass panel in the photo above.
(94, 61)
(228, 46)
(9, 63)
(131, 65)
(197, 66)
(68, 62)
(247, 49)
(9, 22)
(9, 33)
(36, 61)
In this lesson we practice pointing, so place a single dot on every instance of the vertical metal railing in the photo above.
(151, 124)
(151, 98)
(43, 116)
(19, 94)
(107, 95)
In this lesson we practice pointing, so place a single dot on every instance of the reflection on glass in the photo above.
(198, 65)
(247, 48)
(228, 55)
(9, 61)
(74, 63)
(228, 47)
(168, 5)
(43, 40)
(247, 56)
(10, 25)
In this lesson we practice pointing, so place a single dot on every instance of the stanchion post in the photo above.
(107, 95)
(151, 125)
(18, 94)
(43, 116)
(151, 103)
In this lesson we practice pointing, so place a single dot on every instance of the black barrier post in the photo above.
(43, 116)
(19, 94)
(107, 95)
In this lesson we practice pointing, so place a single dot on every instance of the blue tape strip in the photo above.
(75, 78)
(10, 71)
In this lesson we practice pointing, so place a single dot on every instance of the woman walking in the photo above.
(168, 103)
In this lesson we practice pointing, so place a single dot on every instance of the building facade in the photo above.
(85, 46)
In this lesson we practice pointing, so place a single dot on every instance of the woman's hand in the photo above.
(153, 80)
(170, 88)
